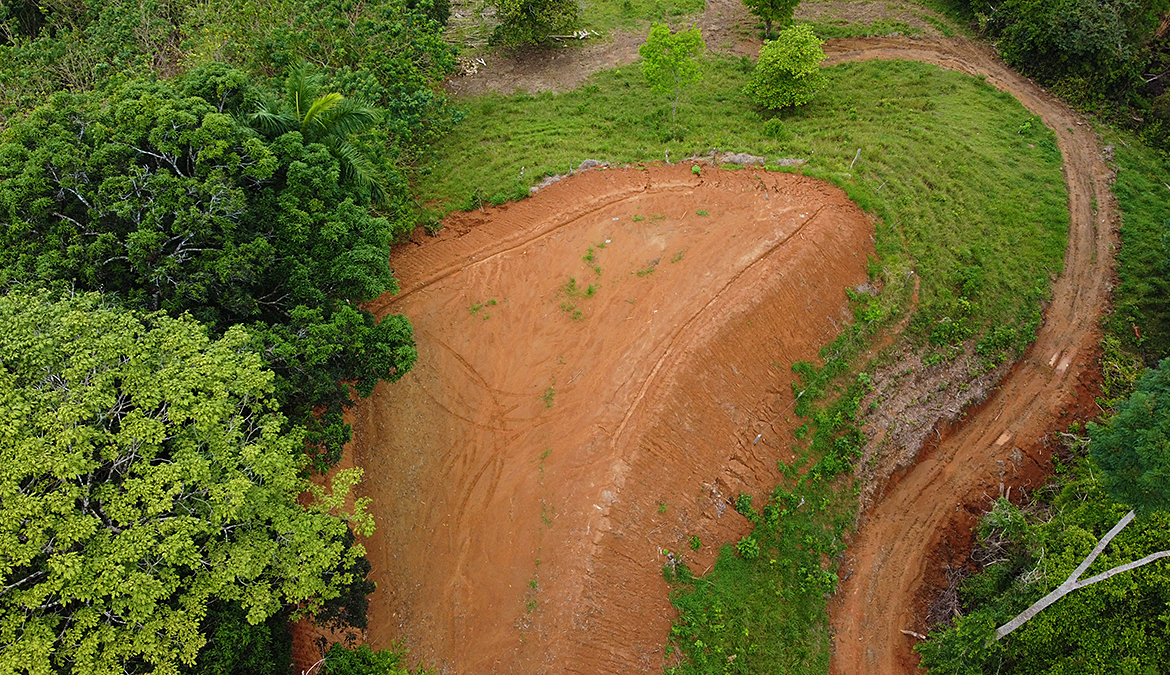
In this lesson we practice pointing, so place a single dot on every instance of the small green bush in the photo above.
(788, 73)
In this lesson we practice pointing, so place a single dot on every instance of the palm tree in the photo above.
(329, 119)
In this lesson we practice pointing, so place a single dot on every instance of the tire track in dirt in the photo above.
(891, 553)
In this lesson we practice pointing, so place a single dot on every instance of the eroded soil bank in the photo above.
(553, 439)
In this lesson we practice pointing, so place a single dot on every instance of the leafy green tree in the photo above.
(156, 192)
(527, 22)
(773, 11)
(147, 476)
(361, 660)
(329, 119)
(788, 73)
(668, 61)
(1133, 449)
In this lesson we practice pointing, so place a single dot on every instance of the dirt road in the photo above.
(890, 558)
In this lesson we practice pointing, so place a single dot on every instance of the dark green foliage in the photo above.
(1142, 298)
(1113, 626)
(349, 610)
(1103, 56)
(531, 22)
(773, 11)
(389, 53)
(1133, 449)
(172, 204)
(236, 647)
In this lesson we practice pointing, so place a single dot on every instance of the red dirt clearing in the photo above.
(529, 470)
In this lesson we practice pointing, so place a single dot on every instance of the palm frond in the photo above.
(300, 87)
(350, 117)
(357, 166)
(270, 122)
(314, 123)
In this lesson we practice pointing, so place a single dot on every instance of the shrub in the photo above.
(788, 72)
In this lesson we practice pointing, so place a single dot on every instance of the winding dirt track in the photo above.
(890, 556)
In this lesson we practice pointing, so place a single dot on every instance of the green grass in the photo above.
(840, 28)
(967, 184)
(1142, 295)
(603, 15)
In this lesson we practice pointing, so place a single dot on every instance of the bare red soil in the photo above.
(928, 509)
(527, 474)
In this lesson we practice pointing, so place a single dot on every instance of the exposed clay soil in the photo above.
(520, 532)
(925, 513)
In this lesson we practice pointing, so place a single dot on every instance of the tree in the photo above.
(778, 11)
(668, 61)
(526, 22)
(788, 72)
(1133, 451)
(157, 193)
(147, 476)
(329, 119)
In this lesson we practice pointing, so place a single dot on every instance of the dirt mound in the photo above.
(927, 507)
(601, 367)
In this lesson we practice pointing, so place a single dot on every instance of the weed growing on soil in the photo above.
(980, 209)
(676, 257)
(474, 309)
(548, 396)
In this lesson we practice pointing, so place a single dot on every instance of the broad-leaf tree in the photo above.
(789, 70)
(159, 194)
(145, 475)
(530, 22)
(668, 61)
(326, 118)
(773, 11)
(1133, 451)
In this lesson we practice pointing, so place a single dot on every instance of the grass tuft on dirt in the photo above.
(966, 182)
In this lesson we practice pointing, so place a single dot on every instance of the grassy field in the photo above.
(966, 182)
(1142, 297)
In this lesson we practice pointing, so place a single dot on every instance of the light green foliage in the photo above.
(146, 475)
(524, 22)
(157, 193)
(361, 660)
(772, 11)
(789, 70)
(1110, 627)
(668, 61)
(1133, 448)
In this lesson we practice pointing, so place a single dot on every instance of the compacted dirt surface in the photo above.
(998, 446)
(553, 439)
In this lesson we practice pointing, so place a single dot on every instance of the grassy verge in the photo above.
(967, 184)
(840, 28)
(604, 15)
(1141, 303)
